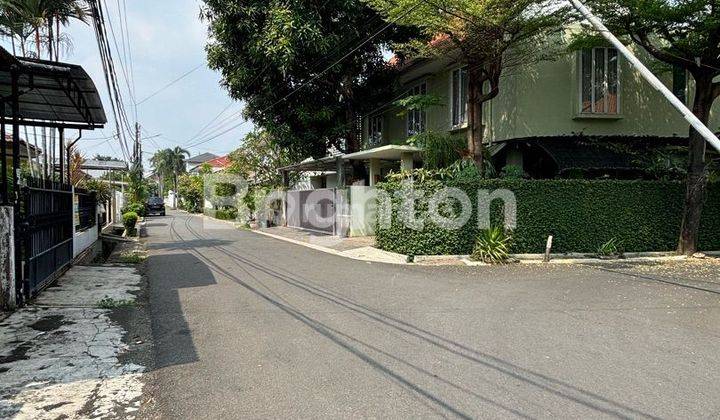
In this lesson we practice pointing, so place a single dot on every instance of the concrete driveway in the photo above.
(248, 326)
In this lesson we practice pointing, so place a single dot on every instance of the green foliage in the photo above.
(613, 247)
(668, 163)
(102, 190)
(492, 246)
(111, 303)
(137, 208)
(169, 164)
(190, 189)
(129, 221)
(439, 150)
(512, 172)
(224, 189)
(137, 186)
(417, 103)
(580, 214)
(266, 49)
(228, 213)
(132, 258)
(259, 158)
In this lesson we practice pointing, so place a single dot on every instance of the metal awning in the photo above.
(389, 152)
(325, 164)
(50, 94)
(104, 165)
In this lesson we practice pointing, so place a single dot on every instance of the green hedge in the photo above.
(580, 214)
(229, 213)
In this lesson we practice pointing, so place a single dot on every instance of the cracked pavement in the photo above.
(62, 356)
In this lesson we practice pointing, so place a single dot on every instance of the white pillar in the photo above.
(406, 161)
(375, 172)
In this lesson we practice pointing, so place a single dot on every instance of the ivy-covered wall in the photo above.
(580, 214)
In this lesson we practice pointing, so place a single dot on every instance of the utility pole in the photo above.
(137, 149)
(648, 75)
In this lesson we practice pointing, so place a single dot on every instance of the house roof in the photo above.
(52, 94)
(220, 162)
(34, 151)
(202, 158)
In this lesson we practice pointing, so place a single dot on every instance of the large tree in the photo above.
(266, 50)
(488, 35)
(686, 35)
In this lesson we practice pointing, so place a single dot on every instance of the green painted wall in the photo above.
(543, 100)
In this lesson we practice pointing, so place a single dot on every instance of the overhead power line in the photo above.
(184, 75)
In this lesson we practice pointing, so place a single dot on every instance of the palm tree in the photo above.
(160, 163)
(169, 163)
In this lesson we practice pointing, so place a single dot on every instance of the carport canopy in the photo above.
(49, 94)
(389, 152)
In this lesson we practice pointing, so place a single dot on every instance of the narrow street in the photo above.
(248, 326)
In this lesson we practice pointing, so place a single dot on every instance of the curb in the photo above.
(564, 259)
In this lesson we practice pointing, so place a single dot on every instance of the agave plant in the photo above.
(492, 246)
(610, 248)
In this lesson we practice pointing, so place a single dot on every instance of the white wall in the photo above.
(84, 240)
(7, 259)
(363, 209)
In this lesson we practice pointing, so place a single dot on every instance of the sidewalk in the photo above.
(63, 355)
(362, 248)
(358, 248)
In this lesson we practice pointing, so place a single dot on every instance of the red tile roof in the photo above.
(220, 162)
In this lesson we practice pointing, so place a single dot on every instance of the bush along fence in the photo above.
(580, 214)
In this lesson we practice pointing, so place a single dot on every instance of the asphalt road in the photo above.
(246, 326)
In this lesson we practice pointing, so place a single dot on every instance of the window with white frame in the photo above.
(375, 128)
(459, 97)
(599, 81)
(416, 119)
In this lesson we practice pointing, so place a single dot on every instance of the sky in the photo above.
(167, 40)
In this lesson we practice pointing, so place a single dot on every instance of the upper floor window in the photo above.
(599, 82)
(416, 118)
(375, 128)
(459, 97)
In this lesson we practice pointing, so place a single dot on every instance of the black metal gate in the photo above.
(46, 233)
(312, 210)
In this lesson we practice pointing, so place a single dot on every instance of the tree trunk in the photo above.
(50, 38)
(37, 41)
(696, 187)
(57, 39)
(475, 128)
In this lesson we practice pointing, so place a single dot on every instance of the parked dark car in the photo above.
(155, 205)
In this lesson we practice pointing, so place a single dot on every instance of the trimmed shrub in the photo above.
(581, 215)
(137, 208)
(129, 221)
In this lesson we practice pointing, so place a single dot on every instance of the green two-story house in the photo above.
(549, 118)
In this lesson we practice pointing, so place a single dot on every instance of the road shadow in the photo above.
(168, 274)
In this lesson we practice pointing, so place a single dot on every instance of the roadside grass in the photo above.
(110, 303)
(132, 258)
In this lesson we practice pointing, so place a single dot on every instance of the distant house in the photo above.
(192, 164)
(216, 165)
